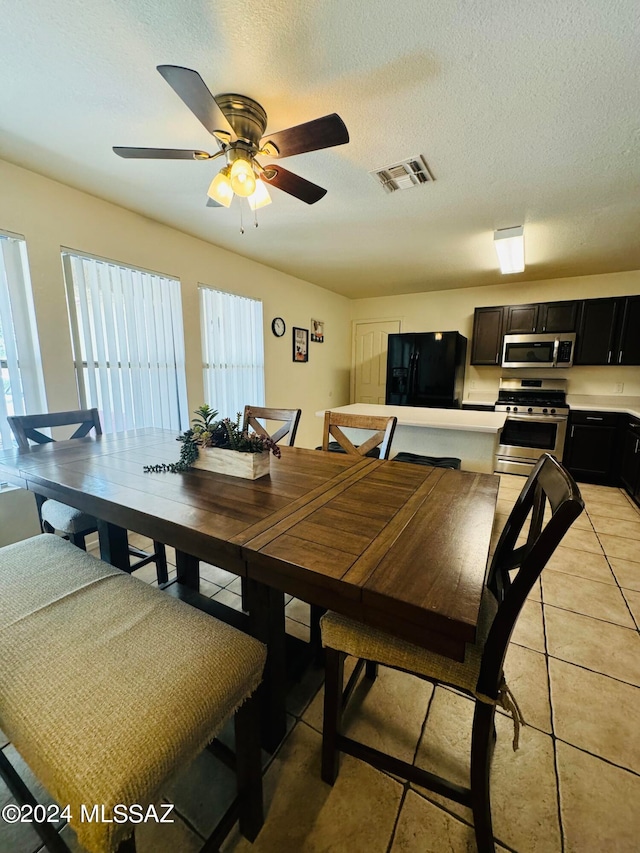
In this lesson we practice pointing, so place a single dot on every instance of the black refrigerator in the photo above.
(426, 369)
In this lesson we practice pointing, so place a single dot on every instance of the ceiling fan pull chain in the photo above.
(241, 225)
(255, 218)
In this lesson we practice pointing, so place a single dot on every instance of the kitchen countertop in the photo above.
(614, 403)
(444, 419)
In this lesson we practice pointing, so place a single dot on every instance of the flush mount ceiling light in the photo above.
(237, 123)
(509, 243)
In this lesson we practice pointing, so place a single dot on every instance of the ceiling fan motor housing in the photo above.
(246, 116)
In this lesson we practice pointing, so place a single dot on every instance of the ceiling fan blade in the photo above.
(212, 203)
(161, 153)
(293, 184)
(192, 90)
(322, 132)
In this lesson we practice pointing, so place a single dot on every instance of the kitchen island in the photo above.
(471, 436)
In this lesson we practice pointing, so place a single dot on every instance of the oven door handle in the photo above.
(543, 419)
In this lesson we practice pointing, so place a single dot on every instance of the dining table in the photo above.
(398, 546)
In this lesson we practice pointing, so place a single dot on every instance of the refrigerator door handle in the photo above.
(411, 377)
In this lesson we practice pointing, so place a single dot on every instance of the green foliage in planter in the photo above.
(206, 431)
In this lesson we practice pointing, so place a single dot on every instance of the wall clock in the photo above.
(278, 327)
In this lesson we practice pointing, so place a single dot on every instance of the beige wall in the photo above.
(50, 215)
(452, 310)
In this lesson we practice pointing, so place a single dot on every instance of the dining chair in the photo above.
(252, 417)
(481, 675)
(72, 523)
(291, 417)
(377, 445)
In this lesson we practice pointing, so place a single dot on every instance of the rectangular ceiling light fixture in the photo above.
(509, 243)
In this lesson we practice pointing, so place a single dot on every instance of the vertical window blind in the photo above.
(232, 351)
(128, 343)
(20, 362)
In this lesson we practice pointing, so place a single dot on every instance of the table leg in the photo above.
(188, 570)
(266, 608)
(40, 499)
(114, 547)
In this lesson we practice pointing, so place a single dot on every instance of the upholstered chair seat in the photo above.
(65, 518)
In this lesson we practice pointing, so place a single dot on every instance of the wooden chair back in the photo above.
(26, 428)
(548, 484)
(384, 429)
(288, 430)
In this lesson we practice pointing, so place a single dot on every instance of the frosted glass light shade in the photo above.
(243, 180)
(220, 189)
(509, 243)
(260, 197)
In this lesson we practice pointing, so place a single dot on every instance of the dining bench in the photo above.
(101, 718)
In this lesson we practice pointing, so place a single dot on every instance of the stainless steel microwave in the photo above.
(539, 350)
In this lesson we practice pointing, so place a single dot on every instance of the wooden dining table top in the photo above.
(401, 547)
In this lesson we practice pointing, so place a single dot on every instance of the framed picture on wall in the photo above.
(317, 331)
(300, 344)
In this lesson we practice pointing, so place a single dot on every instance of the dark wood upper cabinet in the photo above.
(521, 319)
(628, 346)
(487, 336)
(609, 331)
(541, 317)
(597, 331)
(557, 317)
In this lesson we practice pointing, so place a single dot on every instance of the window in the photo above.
(128, 343)
(232, 351)
(20, 363)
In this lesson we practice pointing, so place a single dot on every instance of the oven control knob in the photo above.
(544, 411)
(508, 408)
(530, 410)
(515, 408)
(553, 411)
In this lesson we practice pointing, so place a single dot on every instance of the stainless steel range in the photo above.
(537, 415)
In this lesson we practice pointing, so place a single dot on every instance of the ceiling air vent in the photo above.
(402, 176)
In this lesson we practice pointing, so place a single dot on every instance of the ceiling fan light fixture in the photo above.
(509, 243)
(220, 189)
(242, 177)
(260, 197)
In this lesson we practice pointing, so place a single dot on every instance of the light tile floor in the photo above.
(574, 784)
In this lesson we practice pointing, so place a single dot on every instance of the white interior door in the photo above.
(370, 359)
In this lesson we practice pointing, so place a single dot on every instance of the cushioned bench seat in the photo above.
(98, 714)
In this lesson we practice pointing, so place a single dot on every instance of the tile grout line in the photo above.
(606, 556)
(595, 671)
(403, 797)
(424, 793)
(588, 615)
(599, 757)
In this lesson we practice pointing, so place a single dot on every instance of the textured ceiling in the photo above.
(526, 114)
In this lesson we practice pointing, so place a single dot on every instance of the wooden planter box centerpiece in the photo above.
(221, 446)
(232, 462)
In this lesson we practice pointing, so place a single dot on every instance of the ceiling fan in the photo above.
(237, 123)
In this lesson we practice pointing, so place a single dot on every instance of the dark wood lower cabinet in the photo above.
(591, 451)
(630, 457)
(604, 448)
